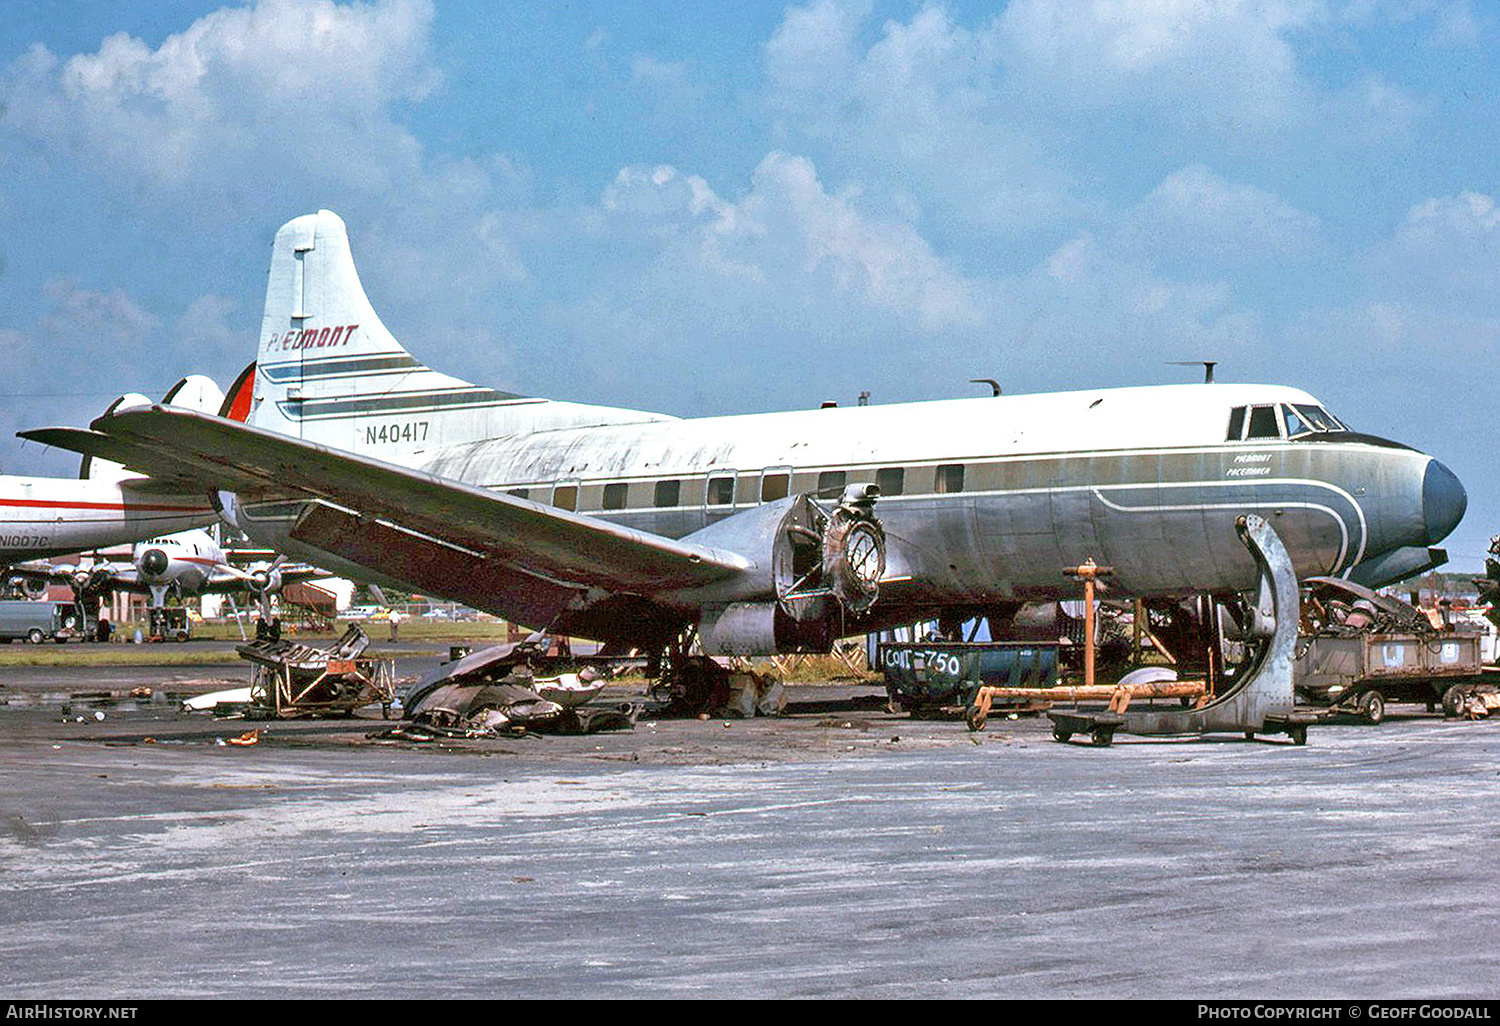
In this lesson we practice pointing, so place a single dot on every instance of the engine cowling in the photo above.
(265, 578)
(154, 562)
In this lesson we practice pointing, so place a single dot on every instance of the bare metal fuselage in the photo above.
(1162, 516)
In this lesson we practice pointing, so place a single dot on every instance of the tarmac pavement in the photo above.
(840, 851)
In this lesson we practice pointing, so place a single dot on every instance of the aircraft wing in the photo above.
(179, 480)
(91, 577)
(228, 577)
(568, 548)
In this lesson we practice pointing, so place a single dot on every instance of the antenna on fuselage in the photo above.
(1207, 365)
(994, 385)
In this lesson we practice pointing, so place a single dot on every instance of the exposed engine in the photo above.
(825, 569)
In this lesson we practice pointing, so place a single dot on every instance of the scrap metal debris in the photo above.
(292, 679)
(1339, 608)
(494, 693)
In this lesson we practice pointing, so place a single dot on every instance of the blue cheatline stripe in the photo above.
(410, 402)
(295, 369)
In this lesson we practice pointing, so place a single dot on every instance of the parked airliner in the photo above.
(104, 506)
(768, 532)
(186, 563)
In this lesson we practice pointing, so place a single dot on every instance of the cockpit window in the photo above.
(1236, 424)
(1263, 423)
(1294, 424)
(1319, 419)
(1303, 419)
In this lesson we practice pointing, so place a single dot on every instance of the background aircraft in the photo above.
(764, 533)
(184, 564)
(105, 506)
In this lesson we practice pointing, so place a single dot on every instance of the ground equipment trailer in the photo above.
(1359, 650)
(1360, 673)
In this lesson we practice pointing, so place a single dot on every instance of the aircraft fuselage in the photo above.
(47, 516)
(983, 501)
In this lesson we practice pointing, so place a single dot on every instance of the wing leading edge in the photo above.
(567, 548)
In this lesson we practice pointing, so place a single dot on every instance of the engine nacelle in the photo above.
(824, 567)
(153, 563)
(760, 628)
(34, 588)
(265, 578)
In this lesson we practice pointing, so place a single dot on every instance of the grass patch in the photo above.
(112, 655)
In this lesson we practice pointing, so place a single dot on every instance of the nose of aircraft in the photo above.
(1443, 502)
(154, 562)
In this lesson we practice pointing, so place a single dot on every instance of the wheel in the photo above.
(1058, 734)
(1298, 735)
(1453, 700)
(1103, 736)
(974, 718)
(35, 636)
(1372, 706)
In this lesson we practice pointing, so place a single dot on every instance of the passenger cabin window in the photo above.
(950, 478)
(565, 496)
(1263, 423)
(774, 486)
(614, 495)
(831, 483)
(667, 493)
(891, 480)
(721, 491)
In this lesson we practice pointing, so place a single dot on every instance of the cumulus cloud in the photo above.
(1445, 252)
(989, 124)
(1114, 314)
(1416, 324)
(253, 89)
(922, 105)
(793, 292)
(788, 230)
(1212, 63)
(93, 325)
(206, 338)
(1195, 215)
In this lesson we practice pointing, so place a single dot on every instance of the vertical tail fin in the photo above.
(329, 371)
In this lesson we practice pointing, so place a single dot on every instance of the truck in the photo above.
(36, 622)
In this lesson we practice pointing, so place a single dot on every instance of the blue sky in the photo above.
(731, 207)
